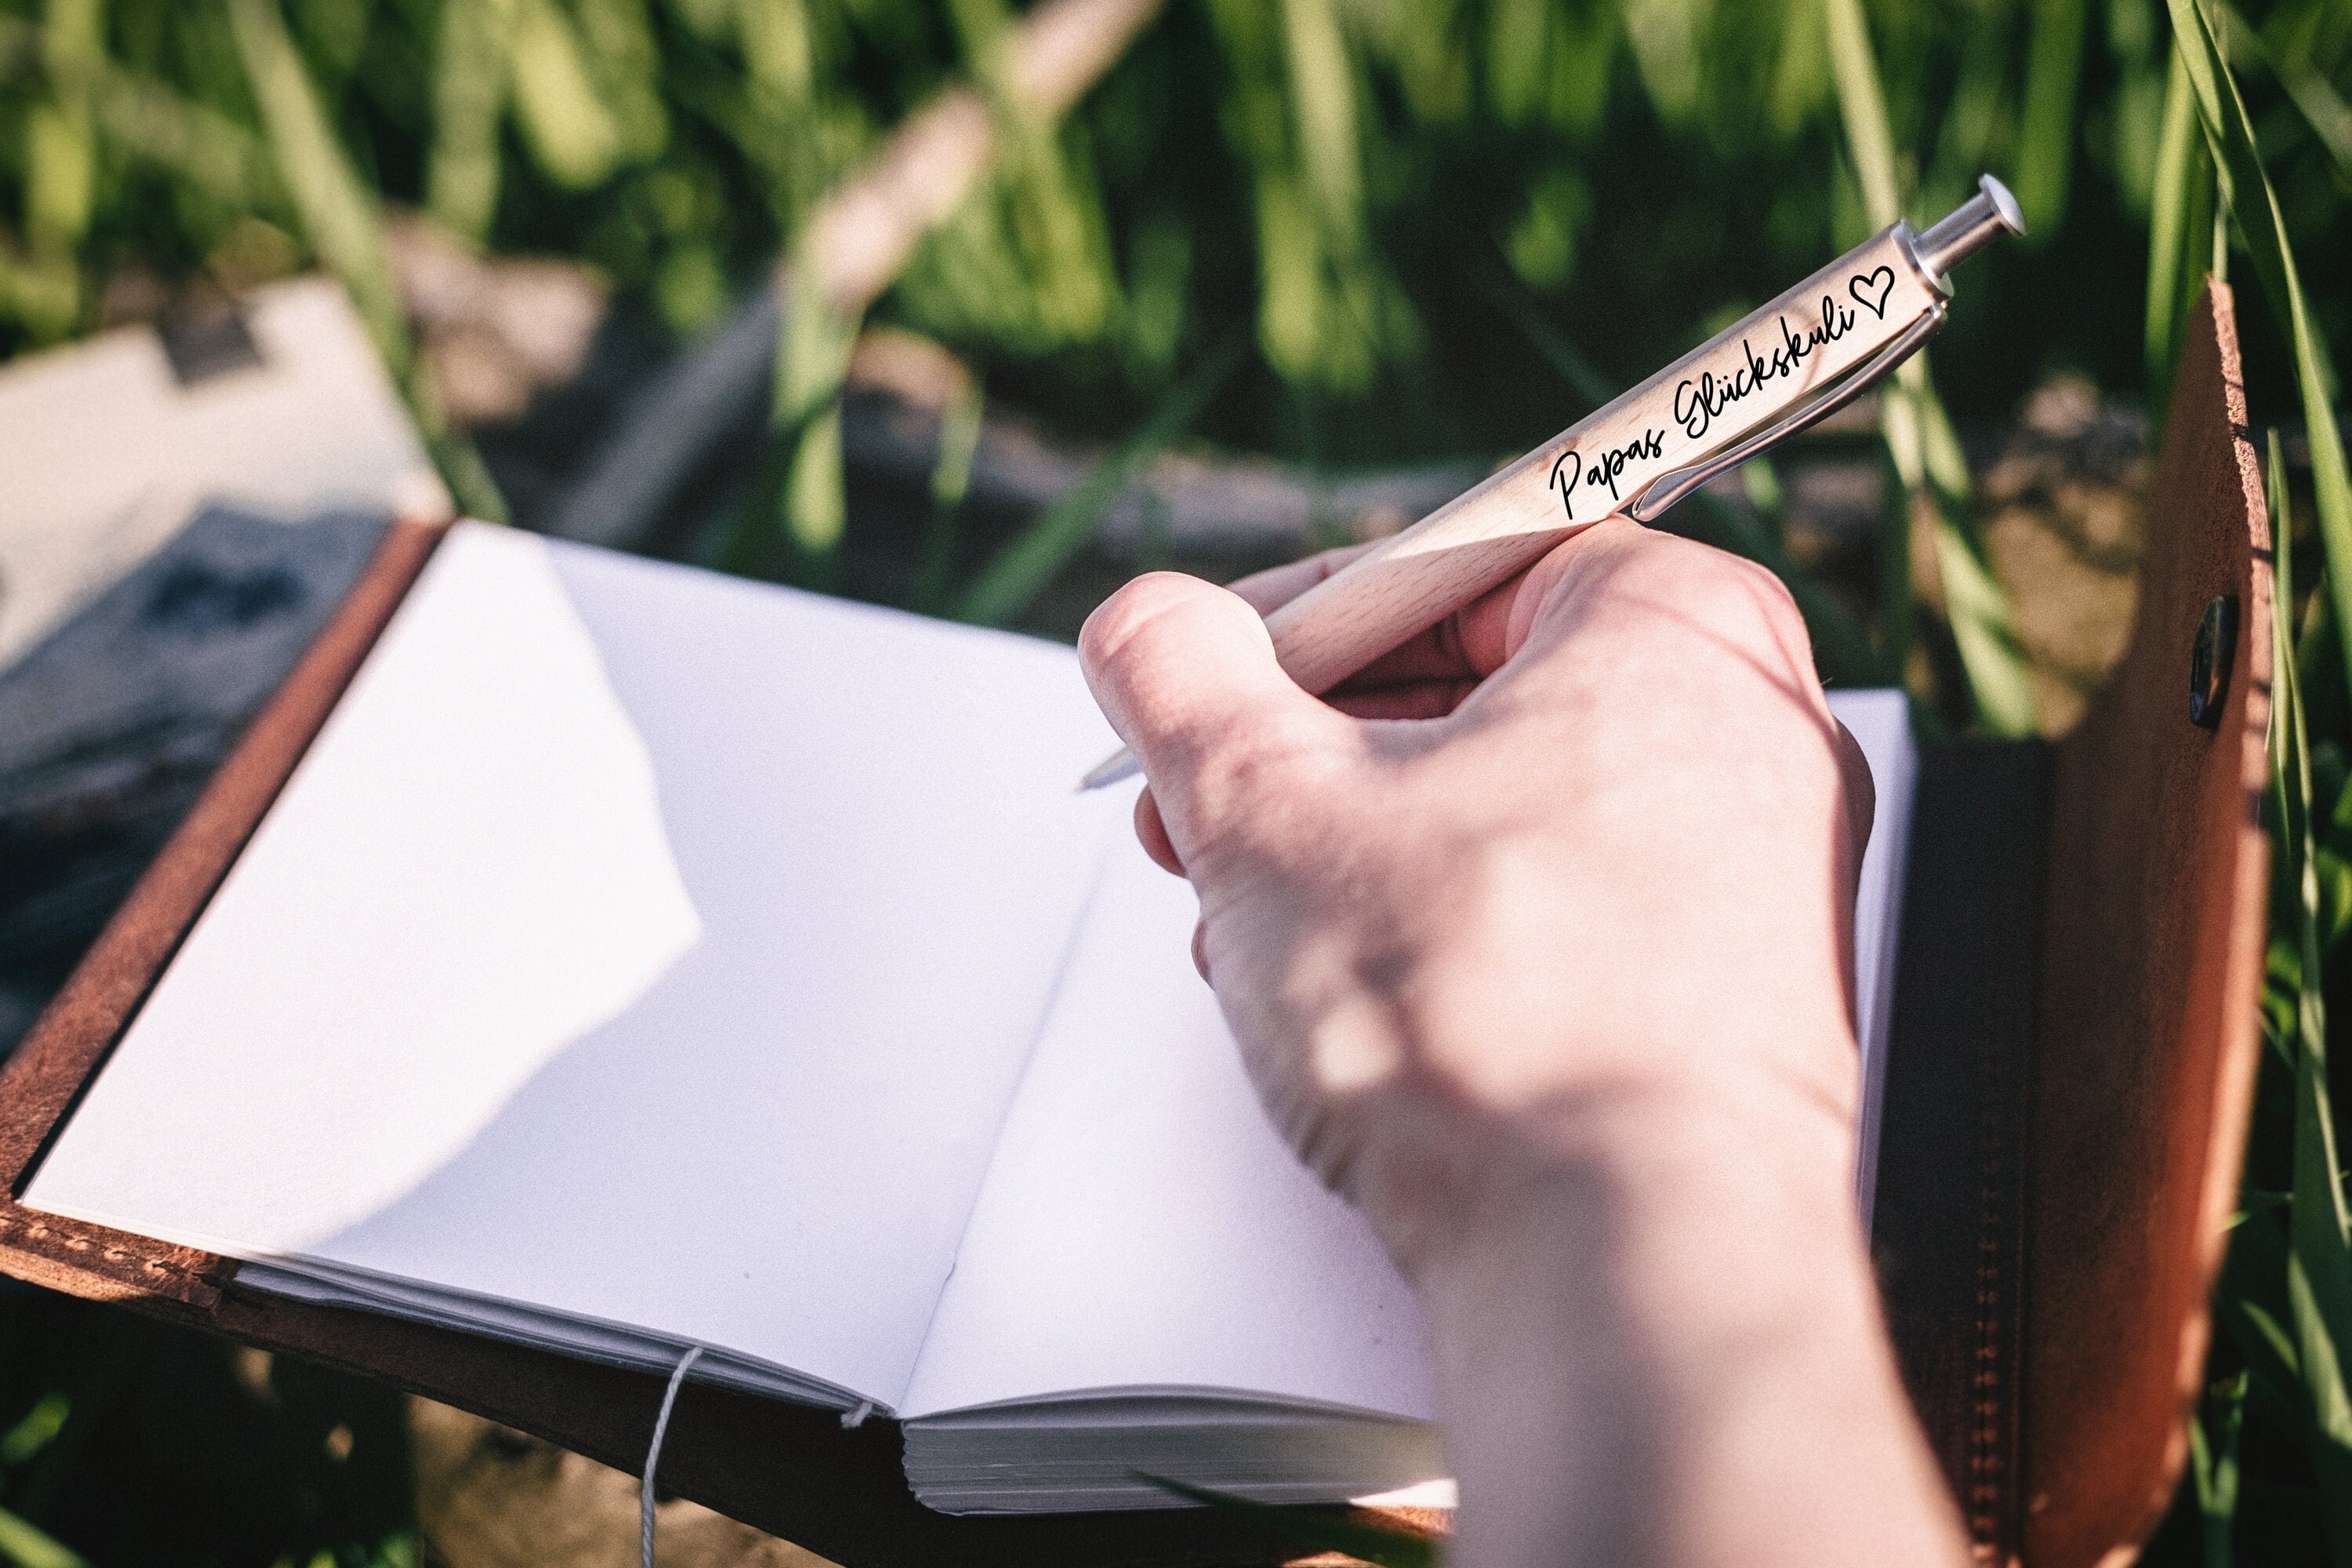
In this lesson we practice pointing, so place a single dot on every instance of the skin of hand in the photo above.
(1536, 936)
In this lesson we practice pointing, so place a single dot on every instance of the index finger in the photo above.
(1467, 645)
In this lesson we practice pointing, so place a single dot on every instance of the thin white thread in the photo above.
(853, 1419)
(653, 1456)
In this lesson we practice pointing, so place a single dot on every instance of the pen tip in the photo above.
(1109, 771)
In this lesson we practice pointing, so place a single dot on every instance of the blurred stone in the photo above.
(1831, 505)
(476, 375)
(131, 294)
(496, 331)
(489, 1496)
(2062, 408)
(908, 366)
(2064, 500)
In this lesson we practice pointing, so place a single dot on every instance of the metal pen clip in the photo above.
(1972, 226)
(1667, 489)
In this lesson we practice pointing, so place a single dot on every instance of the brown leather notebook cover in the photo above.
(2075, 1037)
(2073, 1049)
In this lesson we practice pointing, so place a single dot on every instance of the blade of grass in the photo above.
(147, 118)
(2215, 1465)
(860, 240)
(1323, 104)
(1862, 105)
(812, 359)
(1324, 1531)
(2319, 1227)
(29, 1547)
(1979, 110)
(2307, 88)
(2046, 138)
(2181, 225)
(571, 133)
(1975, 605)
(1665, 38)
(1937, 489)
(1517, 62)
(950, 478)
(33, 1431)
(2251, 1301)
(1977, 608)
(1055, 212)
(469, 96)
(1023, 568)
(339, 216)
(60, 152)
(618, 45)
(2246, 192)
(337, 211)
(1363, 320)
(2324, 109)
(143, 116)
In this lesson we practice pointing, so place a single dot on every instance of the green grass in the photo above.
(1340, 232)
(125, 1444)
(2286, 1310)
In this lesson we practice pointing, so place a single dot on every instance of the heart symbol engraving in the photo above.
(1881, 281)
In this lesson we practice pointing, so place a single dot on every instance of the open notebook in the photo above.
(641, 959)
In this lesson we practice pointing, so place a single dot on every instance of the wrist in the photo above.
(1660, 1322)
(1667, 1165)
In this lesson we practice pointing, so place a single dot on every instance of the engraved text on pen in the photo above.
(1698, 402)
(1568, 469)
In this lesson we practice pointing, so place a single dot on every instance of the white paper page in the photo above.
(635, 943)
(1880, 723)
(1143, 1225)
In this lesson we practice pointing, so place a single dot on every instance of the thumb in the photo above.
(1185, 672)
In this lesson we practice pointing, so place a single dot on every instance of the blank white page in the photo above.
(1880, 723)
(633, 943)
(1143, 1225)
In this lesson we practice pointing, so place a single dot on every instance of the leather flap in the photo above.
(2153, 969)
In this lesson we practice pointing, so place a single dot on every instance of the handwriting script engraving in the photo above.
(1568, 469)
(1698, 402)
(1701, 401)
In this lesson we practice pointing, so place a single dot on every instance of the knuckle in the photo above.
(1731, 591)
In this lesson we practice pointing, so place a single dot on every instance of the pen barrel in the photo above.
(1730, 387)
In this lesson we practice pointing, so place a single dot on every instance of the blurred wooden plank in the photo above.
(110, 726)
(109, 451)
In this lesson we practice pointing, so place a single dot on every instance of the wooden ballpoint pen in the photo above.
(1787, 366)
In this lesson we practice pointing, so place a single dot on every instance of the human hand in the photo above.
(1537, 939)
(1594, 837)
